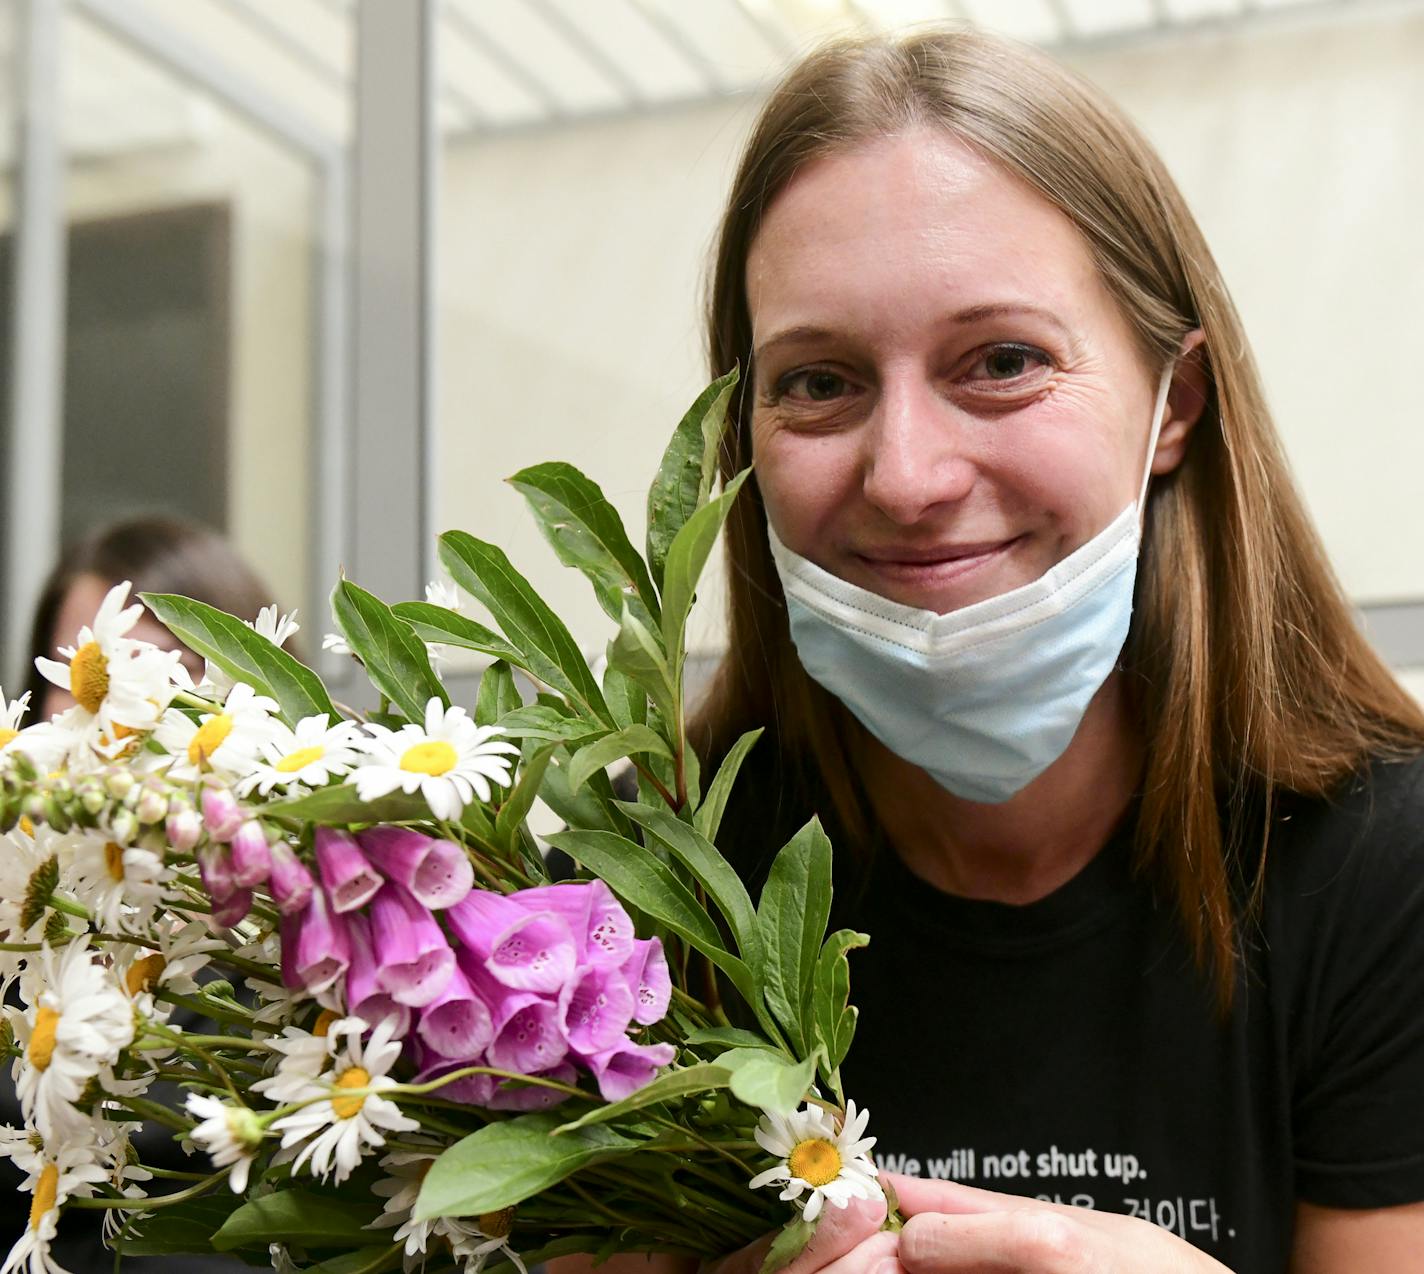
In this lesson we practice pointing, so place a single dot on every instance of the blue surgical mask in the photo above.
(987, 697)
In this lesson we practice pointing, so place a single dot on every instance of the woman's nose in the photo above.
(915, 454)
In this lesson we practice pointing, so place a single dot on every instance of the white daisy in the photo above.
(231, 1134)
(408, 1169)
(277, 628)
(491, 1235)
(57, 1171)
(77, 1024)
(349, 1114)
(49, 744)
(450, 760)
(175, 951)
(121, 686)
(121, 886)
(306, 1055)
(441, 592)
(23, 850)
(834, 1165)
(311, 755)
(336, 643)
(225, 743)
(11, 714)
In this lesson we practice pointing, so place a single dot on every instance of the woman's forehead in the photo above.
(917, 210)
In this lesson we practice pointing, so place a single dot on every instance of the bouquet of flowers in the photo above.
(395, 1039)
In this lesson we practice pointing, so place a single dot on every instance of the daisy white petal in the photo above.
(817, 1156)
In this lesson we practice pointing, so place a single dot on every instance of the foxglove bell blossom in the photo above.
(521, 946)
(251, 858)
(646, 972)
(527, 1037)
(512, 1095)
(456, 1024)
(221, 813)
(627, 1067)
(316, 949)
(233, 909)
(602, 930)
(290, 882)
(364, 997)
(437, 873)
(413, 959)
(349, 880)
(595, 1009)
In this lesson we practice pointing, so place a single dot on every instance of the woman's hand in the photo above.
(956, 1229)
(847, 1240)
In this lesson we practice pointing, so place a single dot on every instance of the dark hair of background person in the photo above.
(157, 554)
(1248, 672)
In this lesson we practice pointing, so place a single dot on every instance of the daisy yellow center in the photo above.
(144, 974)
(26, 826)
(323, 1022)
(114, 861)
(8, 735)
(817, 1161)
(299, 759)
(41, 1049)
(89, 676)
(46, 1190)
(434, 757)
(351, 1077)
(209, 737)
(496, 1225)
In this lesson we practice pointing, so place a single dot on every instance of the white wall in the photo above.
(570, 267)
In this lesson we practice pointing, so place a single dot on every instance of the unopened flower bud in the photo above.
(55, 814)
(216, 871)
(233, 909)
(33, 807)
(119, 783)
(221, 813)
(92, 796)
(123, 826)
(184, 827)
(152, 806)
(251, 859)
(290, 882)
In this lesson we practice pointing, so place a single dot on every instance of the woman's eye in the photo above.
(816, 385)
(1008, 362)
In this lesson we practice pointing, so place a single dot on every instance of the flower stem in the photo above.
(149, 1205)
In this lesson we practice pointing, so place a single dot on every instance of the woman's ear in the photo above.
(1186, 400)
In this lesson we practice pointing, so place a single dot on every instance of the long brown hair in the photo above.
(1248, 673)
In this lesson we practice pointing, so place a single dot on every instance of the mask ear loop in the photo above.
(1158, 413)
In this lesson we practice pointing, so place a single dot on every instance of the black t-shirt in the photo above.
(1070, 1049)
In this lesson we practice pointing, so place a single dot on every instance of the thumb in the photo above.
(839, 1230)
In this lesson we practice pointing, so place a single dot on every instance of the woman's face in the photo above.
(947, 399)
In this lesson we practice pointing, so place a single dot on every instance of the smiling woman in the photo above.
(1032, 614)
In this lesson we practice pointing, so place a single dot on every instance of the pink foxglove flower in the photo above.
(413, 959)
(595, 1009)
(646, 971)
(232, 909)
(215, 869)
(436, 872)
(221, 814)
(364, 997)
(626, 1067)
(251, 859)
(527, 1038)
(522, 947)
(350, 881)
(290, 882)
(316, 944)
(602, 930)
(183, 828)
(456, 1024)
(511, 1095)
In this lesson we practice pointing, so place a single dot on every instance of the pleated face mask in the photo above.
(987, 697)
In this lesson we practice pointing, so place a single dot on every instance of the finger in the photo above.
(876, 1255)
(839, 1231)
(920, 1194)
(1039, 1241)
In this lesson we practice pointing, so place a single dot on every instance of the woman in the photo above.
(1137, 827)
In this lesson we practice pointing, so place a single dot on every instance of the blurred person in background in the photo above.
(156, 554)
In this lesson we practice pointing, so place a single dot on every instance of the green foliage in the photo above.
(516, 806)
(498, 695)
(795, 906)
(788, 1245)
(244, 654)
(702, 1078)
(834, 1015)
(450, 628)
(180, 1227)
(768, 1080)
(505, 1163)
(548, 651)
(637, 654)
(709, 814)
(688, 468)
(394, 657)
(307, 1218)
(631, 740)
(587, 533)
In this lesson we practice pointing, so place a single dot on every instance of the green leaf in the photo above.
(395, 658)
(294, 1216)
(585, 808)
(711, 870)
(541, 721)
(630, 741)
(730, 1037)
(702, 1078)
(627, 701)
(636, 654)
(450, 628)
(708, 818)
(834, 1017)
(587, 533)
(789, 1244)
(688, 467)
(245, 654)
(549, 651)
(687, 556)
(338, 805)
(771, 1081)
(184, 1227)
(497, 694)
(364, 1260)
(520, 801)
(503, 1164)
(795, 905)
